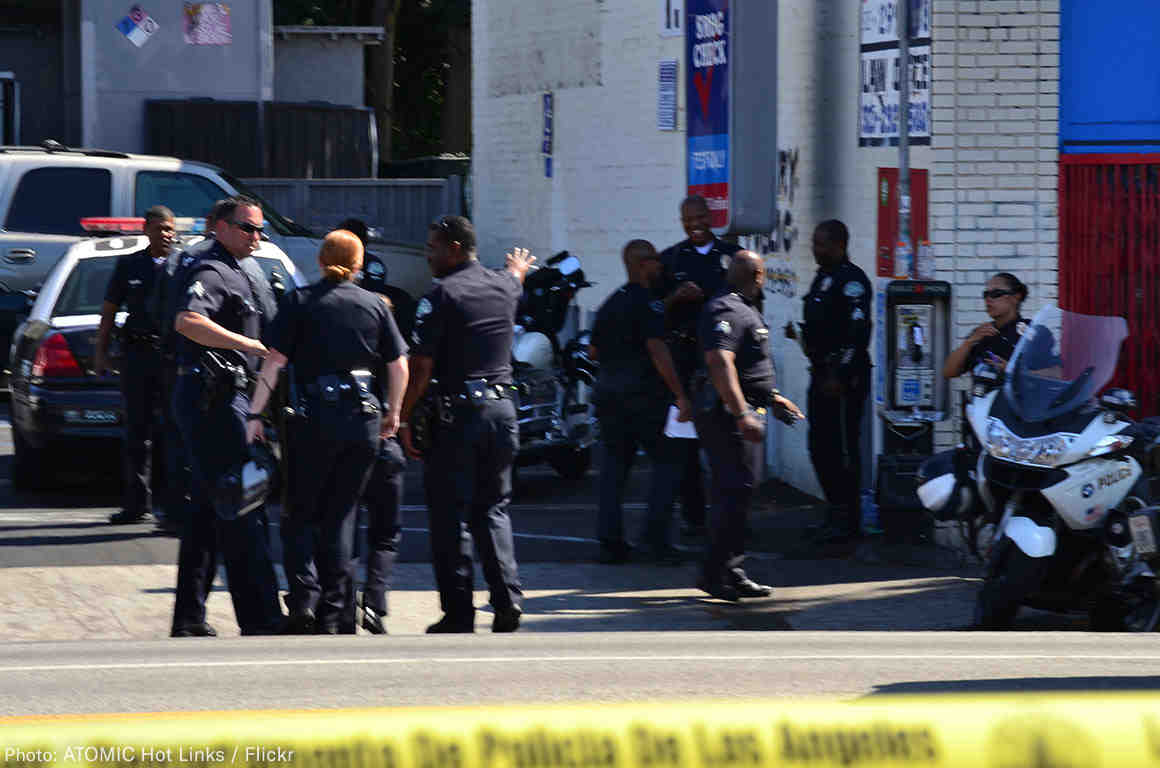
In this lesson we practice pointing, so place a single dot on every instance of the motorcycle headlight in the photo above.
(1041, 451)
(1110, 444)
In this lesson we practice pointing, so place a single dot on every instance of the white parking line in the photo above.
(907, 657)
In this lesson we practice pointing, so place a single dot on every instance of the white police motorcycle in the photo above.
(1066, 482)
(554, 381)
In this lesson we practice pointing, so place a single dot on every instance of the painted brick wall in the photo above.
(996, 153)
(616, 177)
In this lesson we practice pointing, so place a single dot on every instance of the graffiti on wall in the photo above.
(787, 183)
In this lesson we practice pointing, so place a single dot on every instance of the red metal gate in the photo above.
(1109, 256)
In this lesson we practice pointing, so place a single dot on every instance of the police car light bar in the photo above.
(127, 225)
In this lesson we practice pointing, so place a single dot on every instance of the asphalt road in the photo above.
(321, 673)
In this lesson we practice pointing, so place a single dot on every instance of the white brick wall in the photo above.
(995, 171)
(992, 163)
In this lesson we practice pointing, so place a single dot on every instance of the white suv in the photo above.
(45, 191)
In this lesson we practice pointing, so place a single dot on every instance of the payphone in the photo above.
(918, 337)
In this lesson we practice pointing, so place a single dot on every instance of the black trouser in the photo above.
(625, 425)
(835, 441)
(216, 445)
(735, 464)
(686, 358)
(384, 503)
(334, 450)
(176, 494)
(142, 389)
(468, 478)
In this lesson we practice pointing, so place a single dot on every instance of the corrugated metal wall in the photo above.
(302, 141)
(1109, 256)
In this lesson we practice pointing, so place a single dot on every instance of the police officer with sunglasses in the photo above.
(995, 340)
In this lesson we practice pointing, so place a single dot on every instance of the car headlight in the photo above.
(1043, 451)
(1110, 444)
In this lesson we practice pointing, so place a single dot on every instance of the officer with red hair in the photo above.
(351, 370)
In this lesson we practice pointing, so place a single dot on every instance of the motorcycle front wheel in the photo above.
(1011, 577)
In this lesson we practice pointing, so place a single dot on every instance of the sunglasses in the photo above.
(247, 227)
(997, 293)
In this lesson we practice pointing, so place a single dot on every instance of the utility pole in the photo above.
(904, 255)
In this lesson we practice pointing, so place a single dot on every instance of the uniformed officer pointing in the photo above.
(463, 338)
(835, 339)
(731, 416)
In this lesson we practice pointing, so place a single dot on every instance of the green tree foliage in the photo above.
(428, 108)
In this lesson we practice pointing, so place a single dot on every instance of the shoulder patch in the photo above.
(853, 289)
(826, 283)
(1021, 328)
(657, 306)
(423, 308)
(197, 289)
(187, 260)
(723, 326)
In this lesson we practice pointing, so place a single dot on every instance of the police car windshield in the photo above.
(84, 290)
(281, 224)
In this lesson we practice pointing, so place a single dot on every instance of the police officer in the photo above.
(219, 325)
(694, 271)
(463, 337)
(730, 418)
(135, 279)
(345, 346)
(633, 391)
(164, 306)
(996, 339)
(835, 339)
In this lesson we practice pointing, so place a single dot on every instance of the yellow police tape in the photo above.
(995, 732)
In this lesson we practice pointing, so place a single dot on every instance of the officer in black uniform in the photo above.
(995, 340)
(835, 339)
(348, 357)
(633, 390)
(463, 337)
(220, 324)
(136, 278)
(732, 399)
(694, 271)
(164, 306)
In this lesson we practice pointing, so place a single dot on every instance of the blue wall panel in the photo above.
(1109, 76)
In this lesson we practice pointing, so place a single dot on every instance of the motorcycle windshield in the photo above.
(1062, 360)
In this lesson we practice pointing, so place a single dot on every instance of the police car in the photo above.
(60, 406)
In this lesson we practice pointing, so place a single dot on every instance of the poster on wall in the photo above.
(879, 93)
(707, 96)
(207, 24)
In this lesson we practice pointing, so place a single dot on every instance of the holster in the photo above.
(221, 377)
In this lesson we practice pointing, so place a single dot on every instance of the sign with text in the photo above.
(707, 91)
(880, 20)
(879, 113)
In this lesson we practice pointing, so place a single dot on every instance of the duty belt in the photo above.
(682, 337)
(142, 337)
(488, 392)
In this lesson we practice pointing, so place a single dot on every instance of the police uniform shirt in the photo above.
(333, 327)
(837, 319)
(624, 324)
(136, 277)
(684, 263)
(218, 289)
(1000, 345)
(731, 323)
(465, 324)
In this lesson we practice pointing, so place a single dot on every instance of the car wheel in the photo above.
(28, 464)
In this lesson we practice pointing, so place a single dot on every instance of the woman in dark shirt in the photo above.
(993, 341)
(338, 336)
